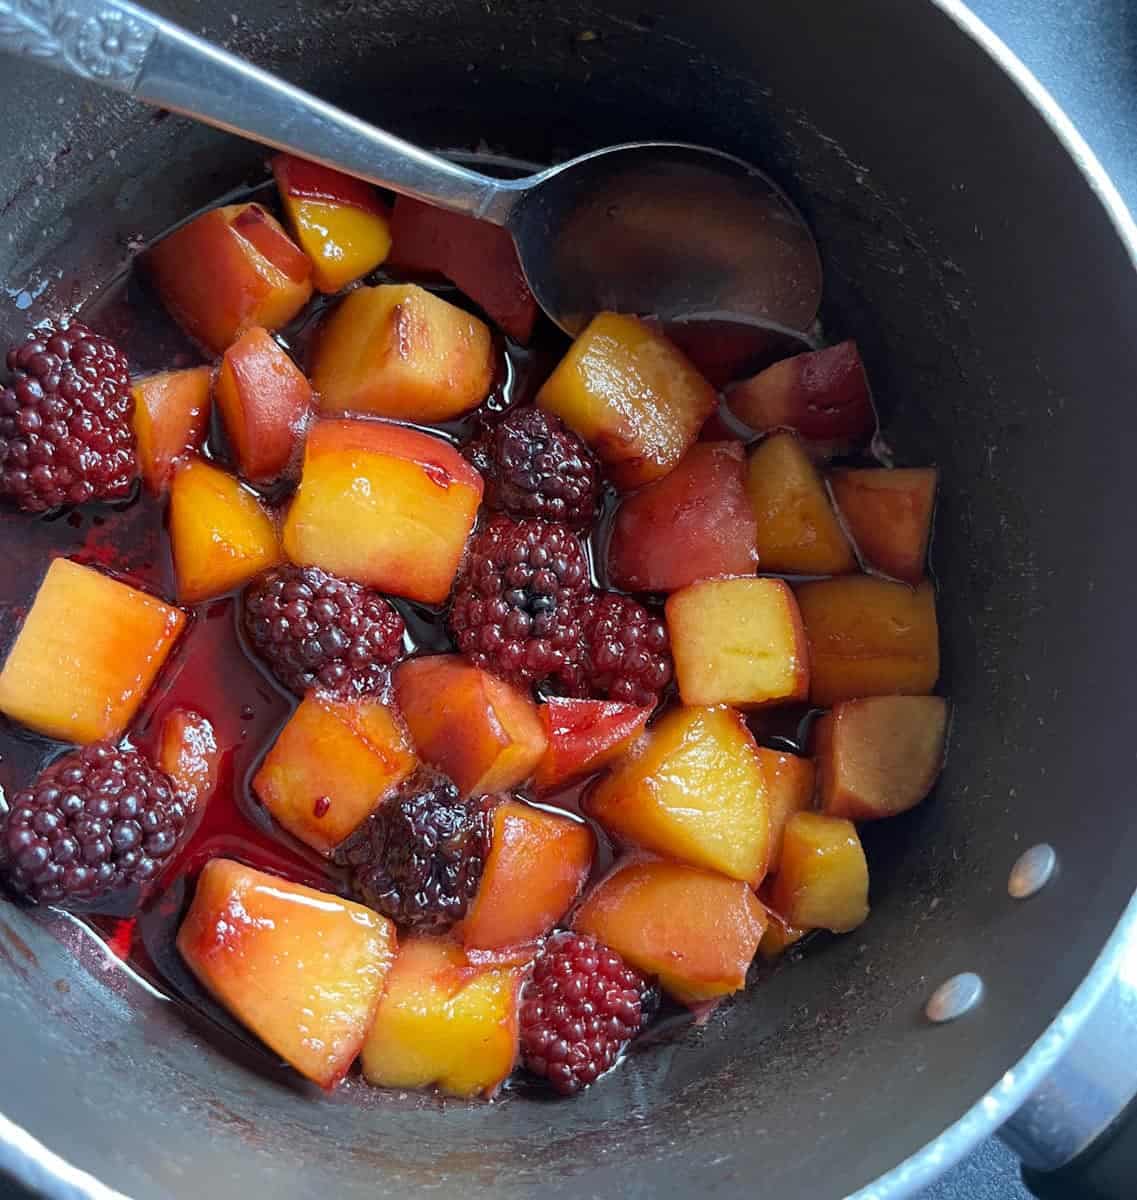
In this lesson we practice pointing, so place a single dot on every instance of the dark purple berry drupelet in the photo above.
(98, 819)
(625, 653)
(512, 607)
(314, 629)
(419, 858)
(65, 430)
(579, 1010)
(535, 467)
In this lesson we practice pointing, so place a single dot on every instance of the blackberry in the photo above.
(624, 653)
(512, 607)
(315, 629)
(98, 819)
(65, 432)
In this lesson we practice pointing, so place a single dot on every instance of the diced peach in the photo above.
(822, 395)
(444, 1021)
(889, 514)
(695, 523)
(798, 531)
(583, 736)
(823, 879)
(880, 756)
(692, 790)
(478, 257)
(332, 765)
(738, 641)
(340, 222)
(264, 401)
(228, 270)
(302, 969)
(189, 754)
(537, 865)
(86, 655)
(789, 785)
(779, 937)
(399, 351)
(481, 731)
(171, 418)
(221, 535)
(388, 506)
(632, 396)
(695, 930)
(868, 637)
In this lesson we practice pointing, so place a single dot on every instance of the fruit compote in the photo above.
(397, 682)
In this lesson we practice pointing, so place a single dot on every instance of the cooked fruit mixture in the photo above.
(400, 683)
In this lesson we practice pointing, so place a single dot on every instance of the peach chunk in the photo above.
(399, 351)
(779, 937)
(868, 637)
(789, 785)
(86, 655)
(583, 736)
(444, 1021)
(481, 731)
(537, 865)
(692, 790)
(228, 270)
(264, 401)
(171, 419)
(798, 531)
(632, 396)
(340, 222)
(695, 930)
(880, 756)
(695, 523)
(331, 766)
(889, 514)
(189, 754)
(302, 969)
(823, 879)
(822, 395)
(738, 641)
(385, 505)
(220, 534)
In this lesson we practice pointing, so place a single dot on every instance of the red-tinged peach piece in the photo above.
(632, 396)
(188, 752)
(695, 930)
(889, 514)
(790, 784)
(798, 531)
(696, 523)
(693, 790)
(779, 937)
(86, 655)
(538, 863)
(738, 641)
(302, 969)
(479, 258)
(481, 731)
(444, 1021)
(171, 419)
(385, 505)
(221, 536)
(822, 395)
(880, 756)
(869, 637)
(332, 765)
(264, 401)
(227, 270)
(823, 879)
(340, 222)
(399, 351)
(584, 736)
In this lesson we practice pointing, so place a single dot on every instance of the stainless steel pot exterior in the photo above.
(990, 292)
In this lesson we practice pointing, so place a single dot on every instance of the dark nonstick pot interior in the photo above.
(988, 290)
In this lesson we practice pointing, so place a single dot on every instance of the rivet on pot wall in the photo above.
(1032, 871)
(959, 995)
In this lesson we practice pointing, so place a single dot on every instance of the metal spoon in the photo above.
(677, 231)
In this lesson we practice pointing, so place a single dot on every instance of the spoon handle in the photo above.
(125, 47)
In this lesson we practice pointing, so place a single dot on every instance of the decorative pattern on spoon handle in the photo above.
(94, 39)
